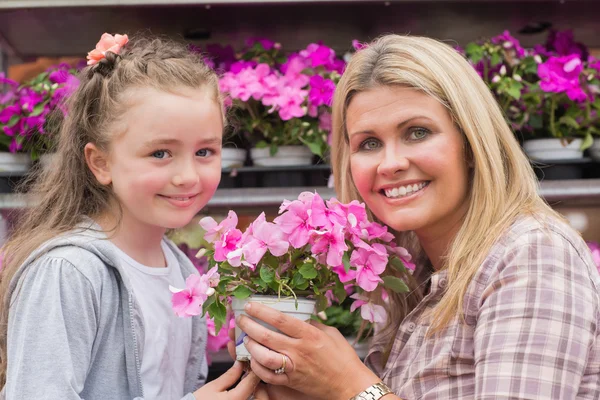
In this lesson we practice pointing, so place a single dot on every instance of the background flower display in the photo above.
(550, 90)
(25, 109)
(281, 99)
(314, 248)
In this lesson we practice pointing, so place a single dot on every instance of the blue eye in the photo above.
(204, 153)
(160, 154)
(419, 134)
(370, 144)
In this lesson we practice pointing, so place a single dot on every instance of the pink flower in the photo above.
(356, 45)
(228, 243)
(561, 74)
(214, 230)
(325, 124)
(326, 216)
(188, 302)
(330, 242)
(370, 262)
(294, 222)
(368, 311)
(373, 230)
(345, 276)
(321, 90)
(402, 254)
(107, 42)
(216, 342)
(595, 249)
(265, 236)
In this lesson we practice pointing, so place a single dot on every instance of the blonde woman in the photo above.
(504, 303)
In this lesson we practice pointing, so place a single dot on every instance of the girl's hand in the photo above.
(319, 361)
(218, 389)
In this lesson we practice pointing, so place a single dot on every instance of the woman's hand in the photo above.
(317, 360)
(218, 389)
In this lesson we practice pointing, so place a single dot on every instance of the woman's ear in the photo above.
(97, 161)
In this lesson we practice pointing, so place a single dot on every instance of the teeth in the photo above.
(402, 191)
(181, 198)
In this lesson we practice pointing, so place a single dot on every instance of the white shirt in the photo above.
(168, 337)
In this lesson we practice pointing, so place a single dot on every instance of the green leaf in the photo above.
(209, 301)
(514, 89)
(321, 303)
(496, 59)
(398, 264)
(569, 121)
(474, 52)
(241, 292)
(340, 292)
(536, 121)
(308, 271)
(346, 261)
(273, 149)
(13, 120)
(315, 148)
(267, 274)
(218, 312)
(396, 284)
(299, 282)
(38, 109)
(261, 145)
(588, 140)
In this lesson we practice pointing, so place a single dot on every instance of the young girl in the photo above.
(86, 307)
(505, 301)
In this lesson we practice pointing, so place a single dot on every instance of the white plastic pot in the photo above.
(14, 162)
(231, 158)
(287, 305)
(553, 149)
(285, 156)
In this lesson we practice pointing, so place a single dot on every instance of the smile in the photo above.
(180, 201)
(404, 191)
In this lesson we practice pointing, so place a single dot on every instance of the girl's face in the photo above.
(166, 164)
(407, 160)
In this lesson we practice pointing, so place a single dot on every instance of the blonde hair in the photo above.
(68, 192)
(502, 186)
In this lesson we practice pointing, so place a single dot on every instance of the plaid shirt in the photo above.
(530, 332)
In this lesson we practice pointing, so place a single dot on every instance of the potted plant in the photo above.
(313, 251)
(548, 93)
(283, 102)
(25, 115)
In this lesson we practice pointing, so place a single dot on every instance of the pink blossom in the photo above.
(368, 311)
(211, 278)
(358, 45)
(345, 276)
(294, 222)
(214, 230)
(369, 263)
(330, 242)
(265, 236)
(318, 55)
(227, 243)
(216, 342)
(373, 230)
(321, 90)
(561, 74)
(402, 254)
(187, 302)
(326, 216)
(325, 124)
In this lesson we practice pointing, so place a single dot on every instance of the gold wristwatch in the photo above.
(373, 392)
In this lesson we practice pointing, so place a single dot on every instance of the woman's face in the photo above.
(407, 160)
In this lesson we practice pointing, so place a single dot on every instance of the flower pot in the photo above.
(595, 150)
(231, 158)
(14, 162)
(285, 156)
(287, 305)
(553, 149)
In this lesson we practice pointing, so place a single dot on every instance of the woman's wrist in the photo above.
(356, 383)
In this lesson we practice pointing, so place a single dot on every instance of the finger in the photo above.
(291, 326)
(231, 334)
(267, 375)
(231, 350)
(261, 393)
(267, 357)
(245, 388)
(265, 336)
(229, 378)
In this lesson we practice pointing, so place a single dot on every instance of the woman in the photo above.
(504, 303)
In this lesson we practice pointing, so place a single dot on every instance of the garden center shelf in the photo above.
(563, 192)
(53, 28)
